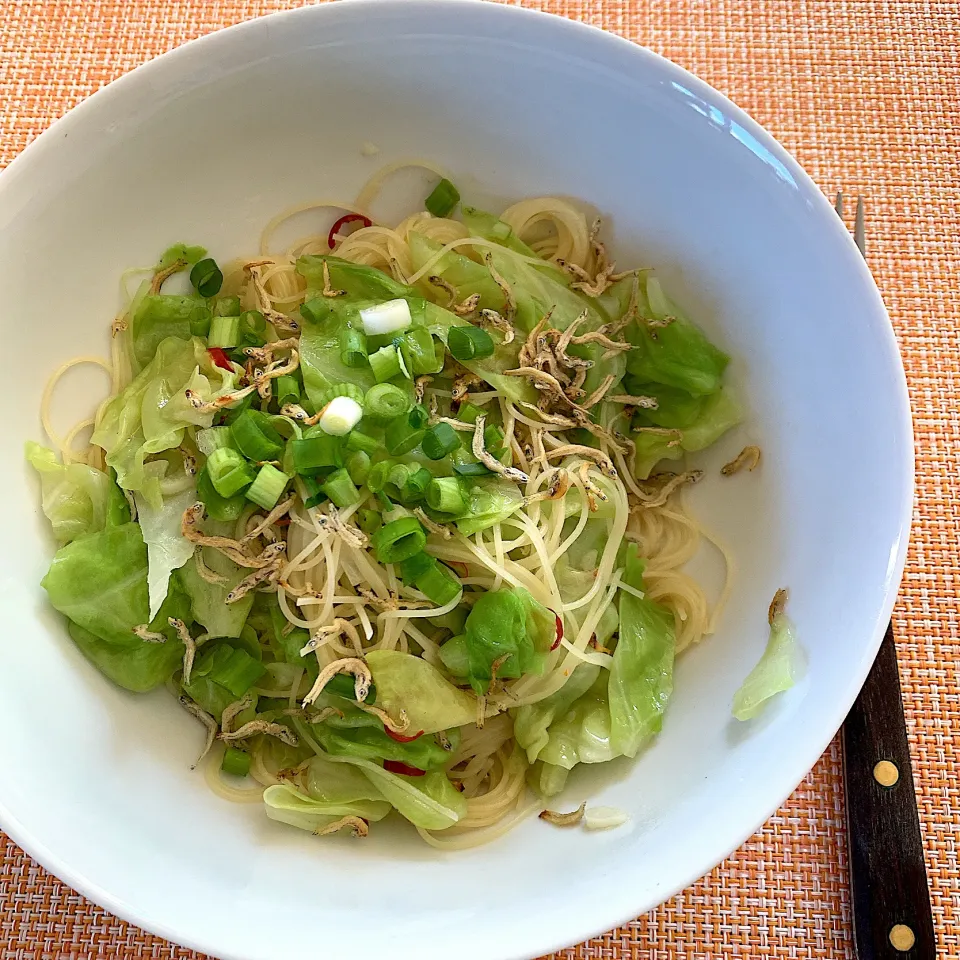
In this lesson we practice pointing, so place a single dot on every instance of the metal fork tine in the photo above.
(859, 229)
(838, 206)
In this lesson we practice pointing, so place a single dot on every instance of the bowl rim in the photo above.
(615, 911)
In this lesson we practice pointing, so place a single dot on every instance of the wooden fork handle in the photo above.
(892, 919)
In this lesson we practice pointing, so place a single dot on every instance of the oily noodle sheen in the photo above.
(319, 583)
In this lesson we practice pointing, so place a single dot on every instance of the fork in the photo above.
(892, 917)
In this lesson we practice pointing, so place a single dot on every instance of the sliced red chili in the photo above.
(404, 769)
(220, 359)
(556, 643)
(459, 566)
(400, 738)
(349, 218)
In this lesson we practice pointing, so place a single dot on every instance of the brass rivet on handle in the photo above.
(902, 937)
(886, 774)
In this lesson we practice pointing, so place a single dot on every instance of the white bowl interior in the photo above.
(208, 144)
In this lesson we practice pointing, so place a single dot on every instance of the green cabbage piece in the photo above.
(361, 282)
(152, 413)
(77, 500)
(720, 413)
(681, 355)
(431, 801)
(167, 548)
(583, 734)
(492, 228)
(223, 673)
(100, 584)
(468, 276)
(641, 676)
(531, 722)
(137, 668)
(507, 623)
(409, 683)
(775, 673)
(159, 316)
(208, 600)
(181, 251)
(285, 804)
(488, 502)
(360, 734)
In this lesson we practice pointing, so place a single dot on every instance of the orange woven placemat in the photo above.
(864, 93)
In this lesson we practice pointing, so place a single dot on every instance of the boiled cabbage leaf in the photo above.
(76, 499)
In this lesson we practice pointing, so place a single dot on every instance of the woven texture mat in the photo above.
(864, 93)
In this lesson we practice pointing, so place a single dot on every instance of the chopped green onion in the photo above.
(446, 495)
(397, 479)
(385, 363)
(315, 492)
(415, 487)
(232, 414)
(256, 437)
(228, 307)
(471, 468)
(418, 416)
(377, 477)
(316, 310)
(358, 466)
(400, 437)
(356, 440)
(218, 508)
(439, 440)
(419, 352)
(229, 472)
(253, 328)
(340, 489)
(396, 541)
(286, 389)
(468, 412)
(439, 585)
(230, 667)
(235, 762)
(493, 441)
(268, 487)
(368, 521)
(469, 343)
(316, 455)
(385, 401)
(350, 390)
(385, 318)
(207, 278)
(416, 566)
(443, 199)
(199, 323)
(340, 416)
(353, 347)
(224, 332)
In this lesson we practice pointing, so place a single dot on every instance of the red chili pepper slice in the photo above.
(349, 218)
(556, 643)
(398, 766)
(400, 738)
(220, 358)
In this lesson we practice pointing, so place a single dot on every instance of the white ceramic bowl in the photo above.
(205, 144)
